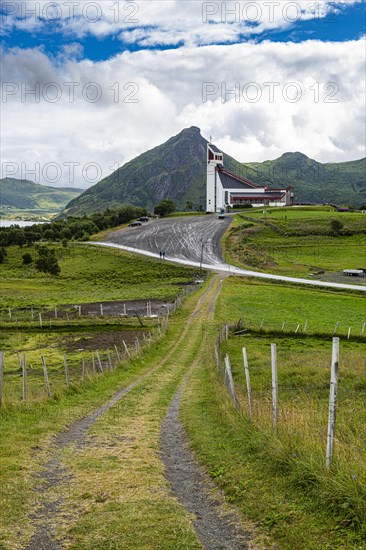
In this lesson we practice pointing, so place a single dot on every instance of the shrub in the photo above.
(47, 261)
(27, 258)
(3, 255)
(165, 207)
(336, 226)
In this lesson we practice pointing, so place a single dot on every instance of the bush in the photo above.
(165, 207)
(3, 255)
(336, 226)
(47, 261)
(27, 258)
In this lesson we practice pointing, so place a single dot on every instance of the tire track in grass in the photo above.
(54, 476)
(191, 485)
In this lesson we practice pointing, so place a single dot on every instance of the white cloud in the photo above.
(168, 88)
(168, 22)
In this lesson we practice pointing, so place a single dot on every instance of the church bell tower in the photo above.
(214, 157)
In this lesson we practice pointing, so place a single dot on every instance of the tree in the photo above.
(336, 226)
(165, 207)
(27, 258)
(47, 261)
(3, 255)
(189, 205)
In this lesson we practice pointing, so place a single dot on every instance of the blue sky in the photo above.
(346, 22)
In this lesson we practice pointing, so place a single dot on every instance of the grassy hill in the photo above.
(18, 194)
(177, 170)
(314, 182)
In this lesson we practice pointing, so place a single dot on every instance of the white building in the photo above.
(225, 189)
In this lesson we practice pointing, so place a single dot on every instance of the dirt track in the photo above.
(193, 238)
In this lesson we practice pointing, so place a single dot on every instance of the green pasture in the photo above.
(299, 242)
(254, 301)
(88, 274)
(279, 479)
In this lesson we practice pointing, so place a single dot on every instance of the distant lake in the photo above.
(19, 223)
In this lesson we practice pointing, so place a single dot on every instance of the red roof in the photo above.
(237, 178)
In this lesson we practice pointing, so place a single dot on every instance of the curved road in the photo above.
(194, 241)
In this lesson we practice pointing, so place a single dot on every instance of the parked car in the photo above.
(143, 219)
(134, 224)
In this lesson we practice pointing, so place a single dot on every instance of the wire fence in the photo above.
(302, 400)
(22, 382)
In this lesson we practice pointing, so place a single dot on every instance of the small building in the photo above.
(224, 189)
(354, 272)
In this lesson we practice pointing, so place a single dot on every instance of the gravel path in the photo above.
(195, 491)
(54, 475)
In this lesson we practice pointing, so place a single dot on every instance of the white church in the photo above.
(226, 190)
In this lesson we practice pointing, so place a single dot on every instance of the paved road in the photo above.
(190, 238)
(195, 241)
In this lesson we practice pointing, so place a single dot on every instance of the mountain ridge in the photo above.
(176, 169)
(26, 194)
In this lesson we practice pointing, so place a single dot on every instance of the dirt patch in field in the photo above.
(119, 308)
(102, 340)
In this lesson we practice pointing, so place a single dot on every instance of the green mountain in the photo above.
(177, 170)
(336, 183)
(27, 195)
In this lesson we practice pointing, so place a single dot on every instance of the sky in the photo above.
(88, 85)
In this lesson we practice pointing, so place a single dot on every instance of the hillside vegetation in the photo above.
(298, 241)
(26, 195)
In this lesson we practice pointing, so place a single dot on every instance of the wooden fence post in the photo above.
(109, 360)
(349, 333)
(1, 375)
(83, 373)
(66, 371)
(283, 326)
(101, 309)
(126, 348)
(46, 377)
(332, 401)
(363, 328)
(261, 325)
(24, 379)
(93, 361)
(274, 385)
(335, 328)
(305, 325)
(40, 319)
(137, 345)
(231, 381)
(297, 328)
(247, 378)
(99, 362)
(117, 352)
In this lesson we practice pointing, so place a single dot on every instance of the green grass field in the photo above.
(88, 274)
(279, 480)
(254, 301)
(303, 243)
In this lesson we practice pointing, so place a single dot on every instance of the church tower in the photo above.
(214, 157)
